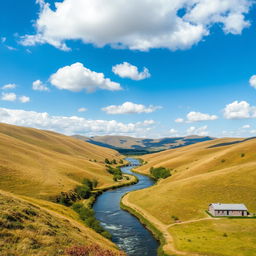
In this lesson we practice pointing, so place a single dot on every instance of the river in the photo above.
(127, 232)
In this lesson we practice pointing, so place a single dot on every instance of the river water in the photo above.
(127, 232)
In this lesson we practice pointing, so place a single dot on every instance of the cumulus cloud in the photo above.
(239, 110)
(9, 96)
(9, 86)
(82, 110)
(129, 108)
(246, 126)
(24, 99)
(39, 86)
(179, 120)
(252, 81)
(76, 78)
(72, 124)
(122, 24)
(201, 131)
(196, 117)
(126, 70)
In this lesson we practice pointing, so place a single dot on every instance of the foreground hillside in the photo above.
(27, 229)
(222, 170)
(43, 163)
(36, 168)
(131, 145)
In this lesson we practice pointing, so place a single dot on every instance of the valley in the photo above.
(37, 167)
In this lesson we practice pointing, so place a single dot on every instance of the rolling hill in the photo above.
(131, 145)
(221, 170)
(42, 163)
(35, 167)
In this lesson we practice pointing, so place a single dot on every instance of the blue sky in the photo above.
(198, 74)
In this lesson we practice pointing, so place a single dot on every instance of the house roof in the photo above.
(223, 207)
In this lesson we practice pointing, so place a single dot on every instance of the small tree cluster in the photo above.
(91, 250)
(116, 172)
(107, 161)
(68, 198)
(160, 173)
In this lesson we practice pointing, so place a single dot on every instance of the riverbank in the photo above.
(157, 228)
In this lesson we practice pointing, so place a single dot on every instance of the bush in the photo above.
(88, 183)
(160, 173)
(107, 161)
(83, 191)
(67, 198)
(116, 172)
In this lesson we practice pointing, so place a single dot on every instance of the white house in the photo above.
(217, 209)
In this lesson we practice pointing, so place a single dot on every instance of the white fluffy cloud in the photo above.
(252, 81)
(24, 99)
(196, 117)
(137, 25)
(239, 110)
(82, 110)
(126, 70)
(39, 86)
(201, 131)
(129, 108)
(9, 96)
(76, 78)
(246, 126)
(9, 86)
(72, 124)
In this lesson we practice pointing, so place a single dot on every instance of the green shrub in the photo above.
(83, 191)
(116, 172)
(160, 173)
(107, 161)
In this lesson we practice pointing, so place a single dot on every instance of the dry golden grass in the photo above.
(41, 164)
(27, 229)
(201, 175)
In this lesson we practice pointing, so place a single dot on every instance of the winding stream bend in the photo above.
(127, 232)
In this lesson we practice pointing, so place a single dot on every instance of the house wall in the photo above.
(229, 213)
(211, 210)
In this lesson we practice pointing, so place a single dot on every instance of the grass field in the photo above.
(222, 237)
(202, 174)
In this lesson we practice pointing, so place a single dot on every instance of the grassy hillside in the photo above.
(222, 170)
(27, 229)
(43, 163)
(35, 167)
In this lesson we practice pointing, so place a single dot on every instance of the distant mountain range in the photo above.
(131, 145)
